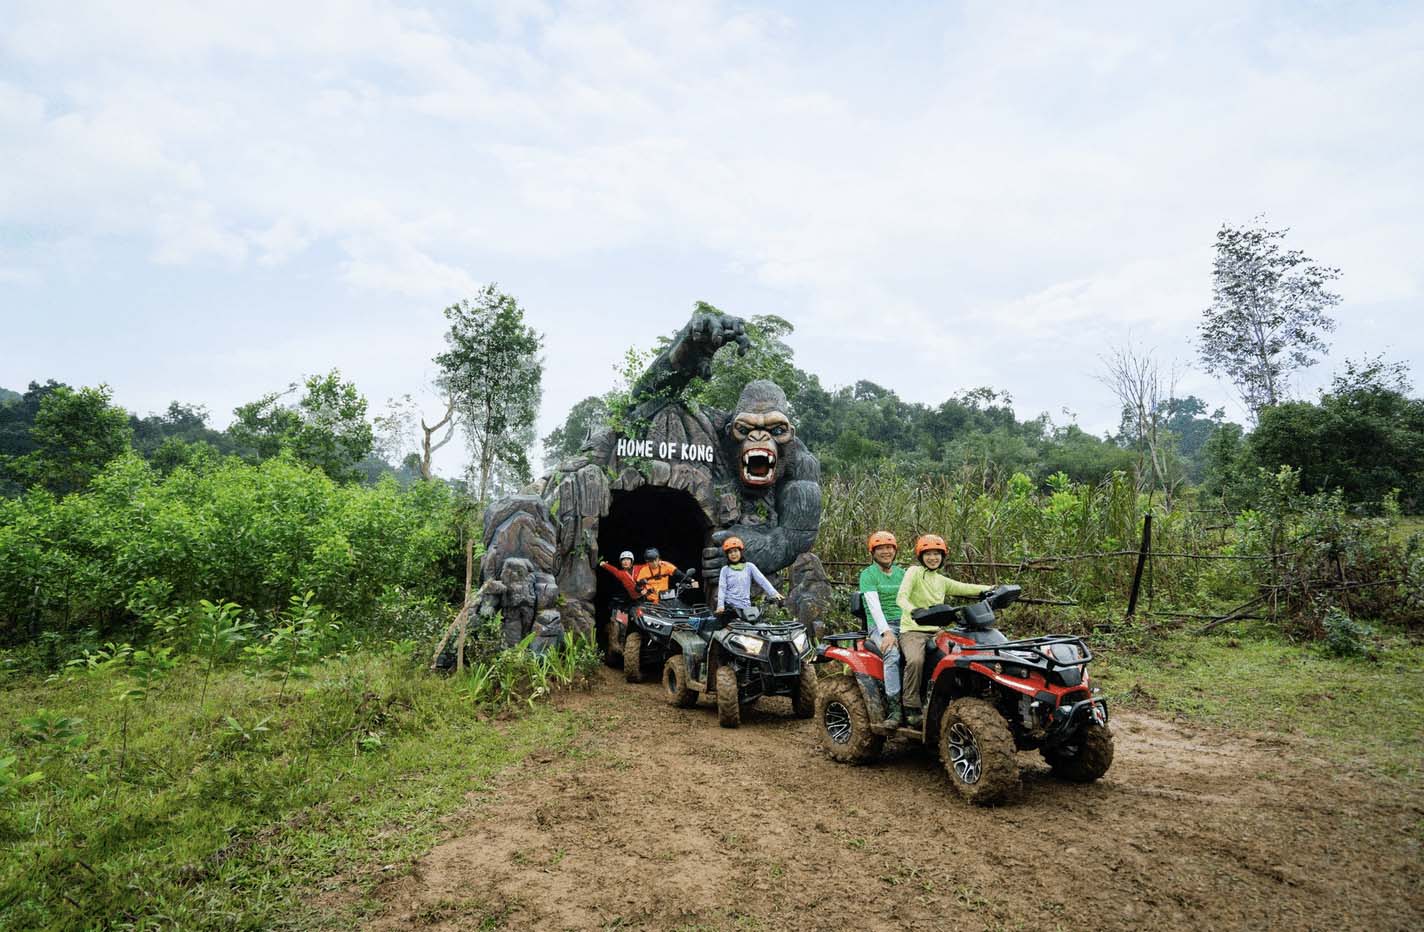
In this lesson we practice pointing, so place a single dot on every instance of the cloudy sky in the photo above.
(206, 201)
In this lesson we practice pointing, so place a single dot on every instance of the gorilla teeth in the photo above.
(758, 464)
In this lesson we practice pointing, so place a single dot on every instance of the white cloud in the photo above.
(1039, 180)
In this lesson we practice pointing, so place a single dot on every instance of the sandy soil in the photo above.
(663, 820)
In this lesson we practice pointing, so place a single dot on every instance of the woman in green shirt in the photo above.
(923, 587)
(879, 587)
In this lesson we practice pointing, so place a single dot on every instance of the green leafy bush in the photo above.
(1344, 636)
(137, 546)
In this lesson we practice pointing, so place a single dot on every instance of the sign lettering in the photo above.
(688, 452)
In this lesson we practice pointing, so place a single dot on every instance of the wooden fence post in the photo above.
(1142, 553)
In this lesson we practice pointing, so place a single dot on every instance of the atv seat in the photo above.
(871, 644)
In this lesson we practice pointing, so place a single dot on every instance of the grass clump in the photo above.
(169, 812)
(1367, 712)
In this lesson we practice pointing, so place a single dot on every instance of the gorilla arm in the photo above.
(689, 356)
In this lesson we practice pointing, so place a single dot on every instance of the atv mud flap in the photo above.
(1067, 719)
(874, 697)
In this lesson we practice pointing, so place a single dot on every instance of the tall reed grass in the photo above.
(1071, 541)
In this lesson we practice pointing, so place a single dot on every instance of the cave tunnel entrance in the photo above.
(649, 516)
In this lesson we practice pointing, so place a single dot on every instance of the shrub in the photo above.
(1344, 636)
(137, 543)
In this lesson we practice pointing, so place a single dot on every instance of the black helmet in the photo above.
(651, 554)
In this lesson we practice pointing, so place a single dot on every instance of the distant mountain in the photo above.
(7, 395)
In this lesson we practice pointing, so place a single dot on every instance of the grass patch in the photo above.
(1402, 528)
(238, 815)
(1368, 710)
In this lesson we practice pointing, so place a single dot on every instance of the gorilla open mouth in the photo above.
(759, 466)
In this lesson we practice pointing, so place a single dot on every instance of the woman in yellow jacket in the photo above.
(923, 587)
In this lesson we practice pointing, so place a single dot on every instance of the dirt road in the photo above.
(663, 820)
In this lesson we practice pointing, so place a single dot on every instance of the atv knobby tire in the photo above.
(633, 657)
(803, 704)
(613, 652)
(729, 706)
(1085, 759)
(675, 684)
(846, 736)
(978, 752)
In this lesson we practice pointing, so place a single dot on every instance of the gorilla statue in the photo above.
(776, 480)
(739, 473)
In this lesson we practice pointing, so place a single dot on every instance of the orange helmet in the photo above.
(930, 542)
(732, 542)
(880, 539)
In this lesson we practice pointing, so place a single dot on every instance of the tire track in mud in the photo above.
(662, 820)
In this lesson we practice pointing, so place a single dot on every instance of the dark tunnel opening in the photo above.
(650, 516)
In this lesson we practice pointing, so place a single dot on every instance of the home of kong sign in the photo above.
(687, 452)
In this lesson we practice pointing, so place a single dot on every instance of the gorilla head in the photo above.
(758, 433)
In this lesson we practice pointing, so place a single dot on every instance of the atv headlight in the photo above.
(748, 642)
(800, 643)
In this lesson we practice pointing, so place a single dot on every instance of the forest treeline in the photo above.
(1363, 435)
(307, 491)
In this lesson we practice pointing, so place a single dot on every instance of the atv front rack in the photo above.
(1037, 646)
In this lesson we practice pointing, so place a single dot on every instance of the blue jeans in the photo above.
(891, 660)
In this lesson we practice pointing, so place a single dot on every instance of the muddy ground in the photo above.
(662, 820)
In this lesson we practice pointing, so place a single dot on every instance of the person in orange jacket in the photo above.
(656, 575)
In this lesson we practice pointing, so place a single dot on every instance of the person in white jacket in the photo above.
(734, 583)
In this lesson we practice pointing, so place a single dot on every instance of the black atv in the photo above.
(745, 657)
(642, 631)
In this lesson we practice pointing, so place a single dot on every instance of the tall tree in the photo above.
(17, 417)
(492, 367)
(180, 426)
(1365, 436)
(1270, 307)
(327, 428)
(75, 434)
(1137, 381)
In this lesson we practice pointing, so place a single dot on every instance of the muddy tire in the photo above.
(633, 657)
(729, 706)
(612, 652)
(1086, 759)
(675, 683)
(978, 752)
(803, 704)
(844, 722)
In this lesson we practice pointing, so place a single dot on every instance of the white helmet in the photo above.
(625, 555)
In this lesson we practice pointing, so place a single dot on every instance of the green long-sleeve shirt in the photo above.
(922, 589)
(887, 587)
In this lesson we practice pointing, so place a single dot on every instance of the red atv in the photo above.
(985, 698)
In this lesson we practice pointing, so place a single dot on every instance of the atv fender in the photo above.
(862, 663)
(958, 668)
(689, 643)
